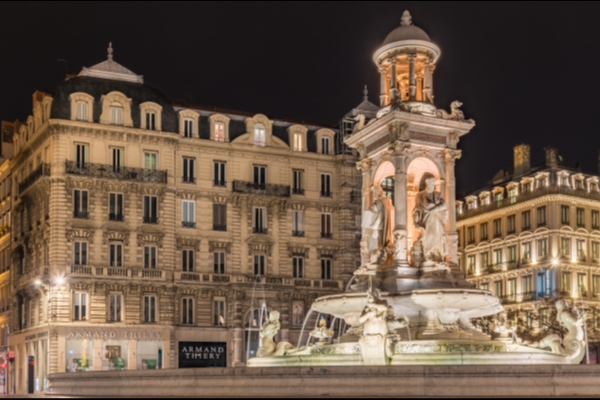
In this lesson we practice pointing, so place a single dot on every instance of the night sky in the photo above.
(526, 72)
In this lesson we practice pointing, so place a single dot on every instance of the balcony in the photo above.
(298, 191)
(188, 224)
(111, 172)
(188, 179)
(298, 233)
(261, 188)
(116, 217)
(222, 228)
(81, 214)
(117, 272)
(150, 220)
(257, 229)
(219, 183)
(42, 170)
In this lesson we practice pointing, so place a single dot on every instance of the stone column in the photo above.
(400, 204)
(412, 79)
(237, 348)
(393, 88)
(431, 69)
(364, 165)
(450, 156)
(427, 84)
(383, 92)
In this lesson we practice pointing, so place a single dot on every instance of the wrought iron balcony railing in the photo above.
(81, 214)
(115, 217)
(110, 172)
(42, 170)
(261, 188)
(150, 220)
(297, 191)
(298, 233)
(188, 224)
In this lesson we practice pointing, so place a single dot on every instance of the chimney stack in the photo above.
(522, 159)
(551, 156)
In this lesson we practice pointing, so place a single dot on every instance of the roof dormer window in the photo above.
(259, 135)
(151, 120)
(188, 127)
(219, 131)
(82, 111)
(116, 115)
(325, 145)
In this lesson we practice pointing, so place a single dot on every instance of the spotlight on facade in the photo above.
(555, 262)
(37, 282)
(59, 280)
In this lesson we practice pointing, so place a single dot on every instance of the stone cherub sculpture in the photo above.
(267, 333)
(322, 332)
(430, 215)
(572, 345)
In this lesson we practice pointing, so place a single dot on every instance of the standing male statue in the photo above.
(378, 228)
(430, 216)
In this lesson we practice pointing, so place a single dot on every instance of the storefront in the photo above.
(205, 348)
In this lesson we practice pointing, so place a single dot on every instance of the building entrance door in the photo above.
(30, 374)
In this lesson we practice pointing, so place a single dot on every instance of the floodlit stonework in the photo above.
(533, 236)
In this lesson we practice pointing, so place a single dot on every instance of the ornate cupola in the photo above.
(406, 61)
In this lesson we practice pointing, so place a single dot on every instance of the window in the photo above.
(298, 142)
(219, 173)
(326, 228)
(116, 159)
(544, 319)
(151, 121)
(298, 267)
(565, 246)
(80, 253)
(527, 251)
(115, 254)
(259, 220)
(498, 256)
(498, 287)
(580, 245)
(542, 248)
(82, 111)
(219, 262)
(297, 314)
(387, 185)
(526, 187)
(483, 229)
(527, 284)
(580, 214)
(150, 209)
(189, 170)
(81, 156)
(471, 264)
(259, 175)
(564, 215)
(298, 181)
(512, 254)
(115, 207)
(115, 304)
(541, 216)
(188, 127)
(219, 312)
(149, 309)
(581, 284)
(512, 287)
(325, 145)
(220, 132)
(497, 227)
(259, 264)
(485, 260)
(150, 162)
(595, 219)
(80, 203)
(116, 115)
(219, 217)
(150, 257)
(526, 220)
(485, 286)
(595, 252)
(325, 268)
(298, 223)
(80, 306)
(566, 281)
(325, 185)
(259, 135)
(510, 224)
(188, 213)
(498, 198)
(187, 260)
(471, 234)
(512, 195)
(187, 310)
(596, 284)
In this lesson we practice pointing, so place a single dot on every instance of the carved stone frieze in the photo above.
(115, 235)
(398, 131)
(297, 250)
(215, 245)
(85, 234)
(150, 238)
(327, 251)
(187, 242)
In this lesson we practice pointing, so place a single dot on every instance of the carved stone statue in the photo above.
(378, 230)
(572, 344)
(360, 123)
(322, 332)
(455, 113)
(267, 333)
(429, 215)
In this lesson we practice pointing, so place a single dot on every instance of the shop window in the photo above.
(79, 355)
(149, 354)
(115, 354)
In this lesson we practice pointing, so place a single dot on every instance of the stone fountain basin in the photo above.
(449, 303)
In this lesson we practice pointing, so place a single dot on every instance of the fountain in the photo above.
(409, 280)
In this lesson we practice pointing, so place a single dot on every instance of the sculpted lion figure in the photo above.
(455, 113)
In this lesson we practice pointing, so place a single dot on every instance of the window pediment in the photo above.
(116, 99)
(76, 110)
(218, 121)
(297, 137)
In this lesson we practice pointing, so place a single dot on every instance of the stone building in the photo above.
(144, 230)
(534, 235)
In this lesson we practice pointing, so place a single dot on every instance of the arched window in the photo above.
(387, 184)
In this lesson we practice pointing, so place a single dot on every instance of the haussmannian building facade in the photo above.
(141, 226)
(533, 236)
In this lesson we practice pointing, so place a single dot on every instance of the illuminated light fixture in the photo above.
(59, 280)
(37, 282)
(555, 262)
